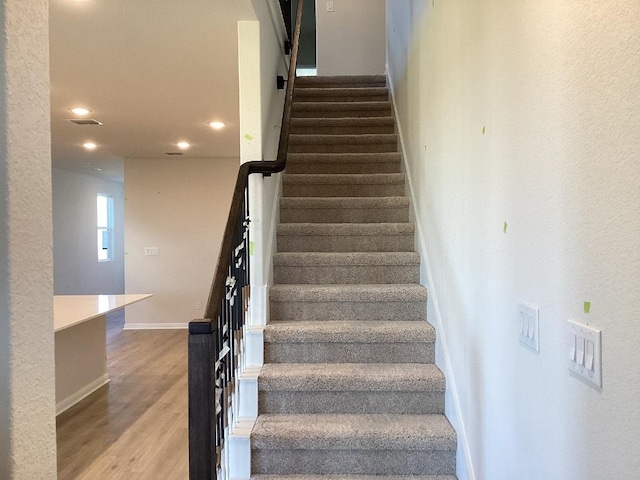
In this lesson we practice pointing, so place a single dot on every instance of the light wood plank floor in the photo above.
(135, 428)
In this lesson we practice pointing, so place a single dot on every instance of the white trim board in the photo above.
(81, 394)
(156, 326)
(458, 421)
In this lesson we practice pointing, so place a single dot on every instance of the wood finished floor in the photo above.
(135, 428)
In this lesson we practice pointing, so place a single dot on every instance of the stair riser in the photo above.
(364, 462)
(301, 97)
(345, 274)
(348, 352)
(345, 243)
(344, 215)
(335, 311)
(346, 130)
(344, 148)
(342, 190)
(333, 168)
(351, 402)
(333, 113)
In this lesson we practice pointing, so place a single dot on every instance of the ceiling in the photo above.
(154, 72)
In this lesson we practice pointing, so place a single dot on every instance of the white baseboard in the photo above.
(81, 394)
(156, 326)
(457, 421)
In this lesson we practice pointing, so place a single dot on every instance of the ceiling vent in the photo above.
(84, 121)
(174, 154)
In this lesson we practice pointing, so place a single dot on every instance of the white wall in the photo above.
(261, 103)
(181, 207)
(529, 113)
(27, 386)
(75, 258)
(351, 39)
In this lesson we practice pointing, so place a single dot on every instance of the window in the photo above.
(105, 228)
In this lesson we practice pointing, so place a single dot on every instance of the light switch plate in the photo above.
(529, 326)
(584, 352)
(330, 6)
(151, 251)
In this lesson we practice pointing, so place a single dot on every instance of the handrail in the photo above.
(213, 341)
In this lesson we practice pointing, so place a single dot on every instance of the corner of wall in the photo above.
(454, 413)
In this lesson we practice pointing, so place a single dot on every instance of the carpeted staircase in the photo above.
(349, 389)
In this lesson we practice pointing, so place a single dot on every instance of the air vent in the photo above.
(84, 121)
(174, 154)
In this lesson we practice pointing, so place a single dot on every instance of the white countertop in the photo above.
(70, 310)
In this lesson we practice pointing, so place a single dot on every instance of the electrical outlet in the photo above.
(198, 305)
(529, 326)
(585, 352)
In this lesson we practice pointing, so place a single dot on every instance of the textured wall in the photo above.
(181, 207)
(27, 389)
(351, 38)
(76, 268)
(529, 113)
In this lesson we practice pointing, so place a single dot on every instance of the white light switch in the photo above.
(330, 6)
(151, 251)
(587, 361)
(529, 326)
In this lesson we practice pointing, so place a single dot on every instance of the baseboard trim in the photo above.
(458, 422)
(155, 326)
(81, 394)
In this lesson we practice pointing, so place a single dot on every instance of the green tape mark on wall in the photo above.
(248, 137)
(504, 227)
(251, 248)
(484, 129)
(587, 307)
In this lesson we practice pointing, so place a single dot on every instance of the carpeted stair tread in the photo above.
(310, 259)
(350, 80)
(341, 109)
(362, 377)
(343, 126)
(363, 139)
(353, 432)
(367, 158)
(372, 332)
(341, 93)
(342, 122)
(344, 202)
(343, 179)
(341, 162)
(352, 477)
(346, 229)
(349, 293)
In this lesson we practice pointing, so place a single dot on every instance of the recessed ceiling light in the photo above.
(216, 125)
(80, 111)
(89, 145)
(183, 145)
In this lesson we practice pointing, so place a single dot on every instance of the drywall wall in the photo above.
(261, 103)
(75, 260)
(27, 385)
(351, 39)
(179, 206)
(527, 113)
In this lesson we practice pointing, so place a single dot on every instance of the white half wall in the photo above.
(181, 207)
(77, 270)
(351, 39)
(521, 126)
(27, 375)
